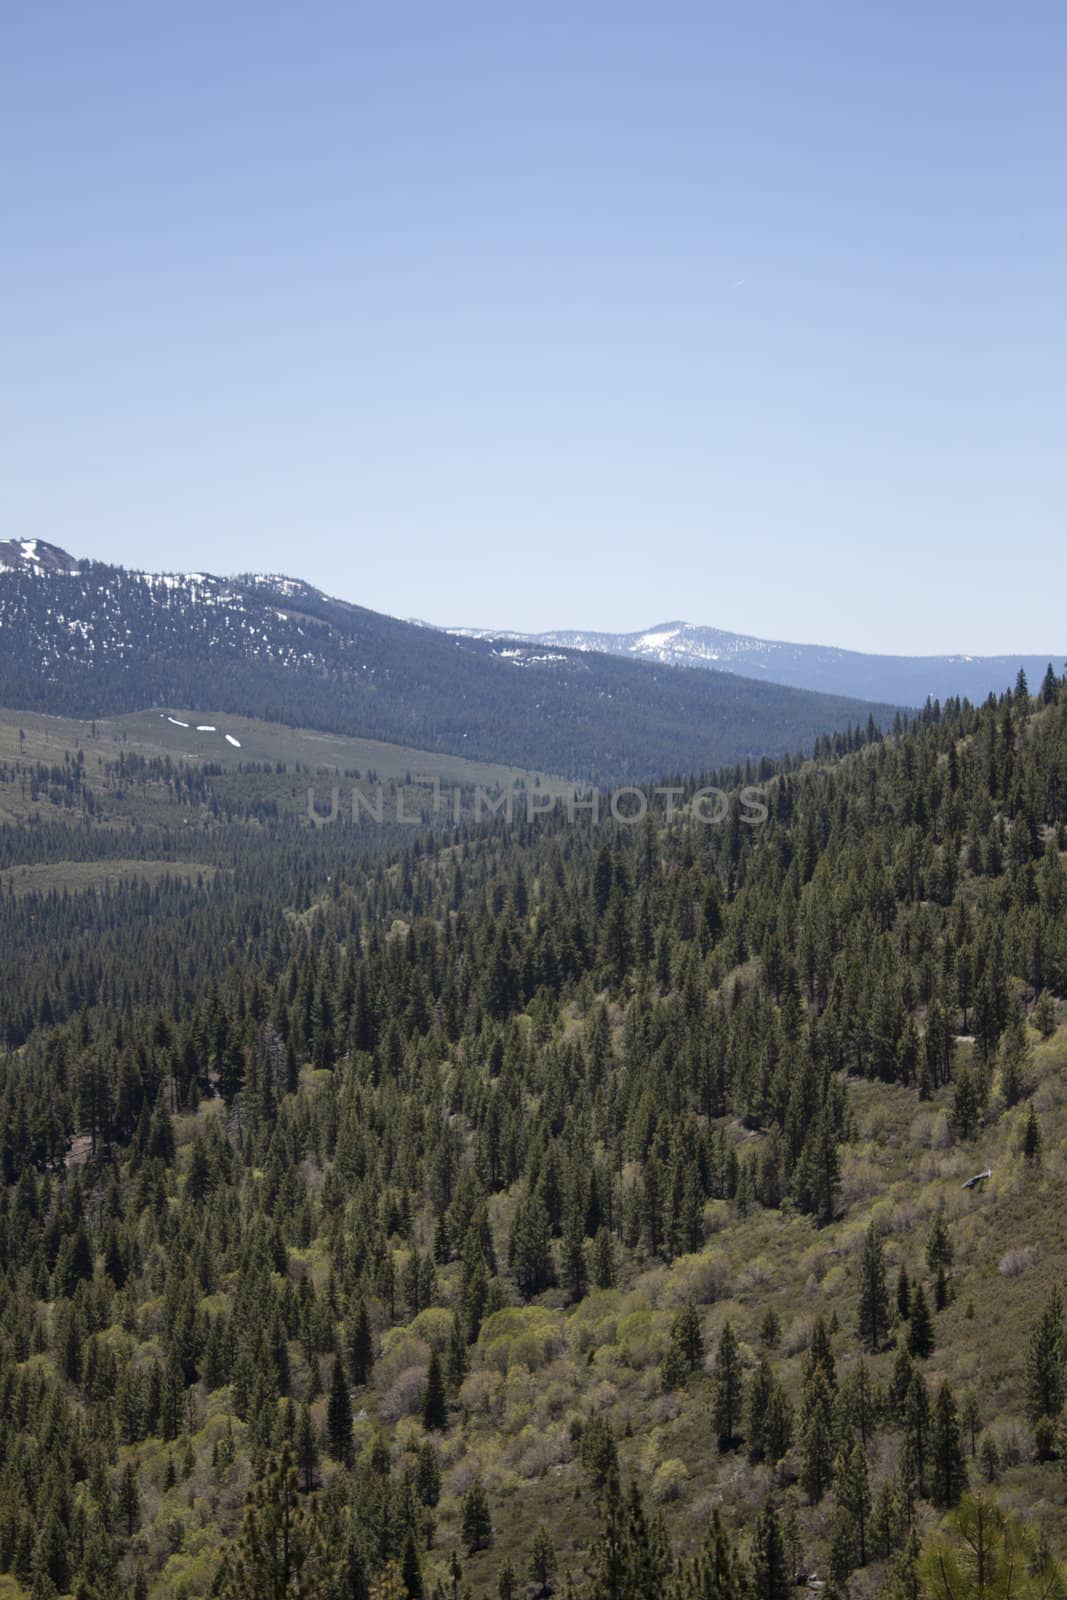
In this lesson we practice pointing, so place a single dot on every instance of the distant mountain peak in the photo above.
(826, 669)
(34, 556)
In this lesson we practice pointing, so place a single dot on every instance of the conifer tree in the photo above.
(920, 1325)
(817, 1435)
(777, 1425)
(903, 1293)
(1045, 1362)
(989, 1455)
(575, 1268)
(477, 1526)
(948, 1471)
(428, 1474)
(857, 1403)
(339, 1415)
(916, 1451)
(985, 1553)
(529, 1251)
(411, 1570)
(270, 1555)
(760, 1394)
(360, 1345)
(435, 1400)
(688, 1337)
(457, 1358)
(542, 1557)
(603, 1260)
(873, 1322)
(941, 1295)
(940, 1251)
(1032, 1138)
(307, 1449)
(727, 1381)
(599, 1455)
(129, 1499)
(853, 1491)
(770, 1568)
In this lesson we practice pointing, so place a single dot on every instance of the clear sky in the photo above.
(556, 315)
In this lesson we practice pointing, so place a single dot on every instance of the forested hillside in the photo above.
(549, 1208)
(98, 641)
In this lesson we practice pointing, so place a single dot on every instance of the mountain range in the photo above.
(86, 639)
(903, 680)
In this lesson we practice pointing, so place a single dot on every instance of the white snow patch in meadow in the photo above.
(235, 742)
(177, 723)
(206, 727)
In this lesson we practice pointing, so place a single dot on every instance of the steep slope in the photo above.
(905, 680)
(98, 640)
(554, 1176)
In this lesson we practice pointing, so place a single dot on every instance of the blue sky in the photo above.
(550, 316)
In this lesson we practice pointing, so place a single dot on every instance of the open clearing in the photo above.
(76, 876)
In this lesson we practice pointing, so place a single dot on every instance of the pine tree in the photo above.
(727, 1379)
(985, 1553)
(770, 1567)
(948, 1470)
(885, 1521)
(777, 1425)
(857, 1403)
(817, 1435)
(267, 1560)
(770, 1328)
(1032, 1138)
(687, 1336)
(792, 1536)
(989, 1456)
(852, 1488)
(307, 1449)
(941, 1296)
(873, 1322)
(603, 1260)
(760, 1393)
(673, 1369)
(1045, 1362)
(428, 1475)
(916, 1452)
(339, 1415)
(903, 1293)
(921, 1327)
(457, 1358)
(477, 1526)
(715, 1573)
(435, 1400)
(360, 1345)
(542, 1558)
(821, 1354)
(529, 1251)
(129, 1499)
(940, 1251)
(630, 1559)
(573, 1260)
(411, 1570)
(599, 1454)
